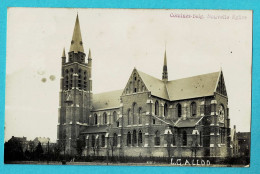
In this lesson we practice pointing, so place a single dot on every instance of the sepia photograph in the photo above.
(137, 87)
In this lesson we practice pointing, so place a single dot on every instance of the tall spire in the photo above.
(76, 42)
(165, 72)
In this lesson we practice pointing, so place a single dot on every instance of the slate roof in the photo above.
(107, 100)
(95, 129)
(191, 87)
(156, 86)
(189, 122)
(186, 88)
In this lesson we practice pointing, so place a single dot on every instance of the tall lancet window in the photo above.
(128, 117)
(85, 80)
(165, 110)
(193, 109)
(156, 108)
(179, 110)
(134, 108)
(79, 79)
(105, 118)
(140, 116)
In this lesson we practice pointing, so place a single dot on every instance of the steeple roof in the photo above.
(76, 42)
(165, 60)
(165, 72)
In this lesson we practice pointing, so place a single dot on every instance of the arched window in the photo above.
(140, 119)
(134, 138)
(84, 81)
(179, 110)
(128, 139)
(156, 108)
(134, 119)
(95, 119)
(165, 110)
(128, 117)
(114, 116)
(79, 81)
(93, 140)
(66, 82)
(97, 141)
(140, 138)
(193, 109)
(104, 118)
(157, 138)
(184, 138)
(103, 142)
(115, 140)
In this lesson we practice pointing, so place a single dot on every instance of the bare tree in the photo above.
(80, 145)
(195, 145)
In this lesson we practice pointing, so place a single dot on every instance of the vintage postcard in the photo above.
(145, 87)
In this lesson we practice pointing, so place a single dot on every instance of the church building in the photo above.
(149, 117)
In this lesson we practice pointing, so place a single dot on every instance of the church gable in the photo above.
(135, 84)
(221, 87)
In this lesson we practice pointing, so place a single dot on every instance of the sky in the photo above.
(196, 42)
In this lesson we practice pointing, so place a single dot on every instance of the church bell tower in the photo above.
(75, 93)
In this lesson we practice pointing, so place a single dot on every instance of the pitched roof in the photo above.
(192, 87)
(156, 86)
(76, 43)
(107, 100)
(188, 122)
(95, 129)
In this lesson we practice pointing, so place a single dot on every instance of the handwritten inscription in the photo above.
(193, 162)
(208, 16)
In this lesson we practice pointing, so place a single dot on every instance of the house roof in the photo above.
(43, 140)
(107, 100)
(95, 129)
(243, 135)
(190, 87)
(188, 122)
(22, 139)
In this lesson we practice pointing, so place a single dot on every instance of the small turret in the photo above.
(63, 56)
(89, 58)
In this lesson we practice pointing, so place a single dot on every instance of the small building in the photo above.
(244, 139)
(22, 140)
(44, 142)
(234, 142)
